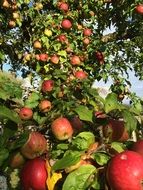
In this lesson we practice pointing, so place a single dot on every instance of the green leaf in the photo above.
(33, 100)
(63, 146)
(83, 140)
(6, 113)
(4, 153)
(2, 55)
(40, 120)
(84, 113)
(119, 147)
(9, 130)
(69, 159)
(111, 102)
(4, 95)
(129, 120)
(79, 179)
(19, 142)
(62, 53)
(101, 158)
(136, 108)
(57, 47)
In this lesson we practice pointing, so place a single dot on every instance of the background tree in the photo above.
(64, 45)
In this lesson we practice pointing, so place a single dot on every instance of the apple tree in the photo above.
(63, 47)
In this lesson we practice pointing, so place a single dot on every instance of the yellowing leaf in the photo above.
(52, 177)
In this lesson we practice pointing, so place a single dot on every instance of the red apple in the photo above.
(99, 56)
(75, 60)
(45, 106)
(37, 44)
(11, 24)
(26, 113)
(43, 57)
(47, 86)
(86, 41)
(37, 56)
(115, 131)
(54, 59)
(35, 146)
(138, 147)
(16, 160)
(62, 38)
(80, 75)
(62, 128)
(63, 6)
(125, 171)
(139, 9)
(87, 32)
(77, 124)
(66, 24)
(34, 175)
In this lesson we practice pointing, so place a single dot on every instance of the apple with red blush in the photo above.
(35, 146)
(25, 113)
(34, 175)
(47, 86)
(125, 171)
(62, 128)
(66, 24)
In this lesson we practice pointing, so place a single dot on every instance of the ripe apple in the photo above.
(86, 41)
(47, 86)
(139, 9)
(80, 75)
(63, 6)
(37, 56)
(15, 15)
(37, 44)
(62, 128)
(26, 113)
(34, 175)
(125, 171)
(99, 56)
(77, 124)
(5, 4)
(43, 57)
(54, 59)
(115, 130)
(35, 146)
(45, 106)
(66, 24)
(75, 60)
(80, 27)
(138, 147)
(48, 32)
(62, 38)
(16, 160)
(12, 24)
(87, 32)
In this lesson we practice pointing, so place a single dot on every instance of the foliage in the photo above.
(34, 42)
